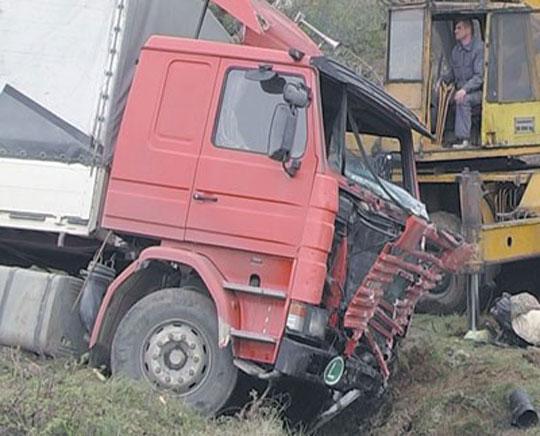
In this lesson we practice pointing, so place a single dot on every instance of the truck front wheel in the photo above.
(170, 339)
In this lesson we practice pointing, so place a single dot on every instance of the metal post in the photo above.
(470, 190)
(201, 19)
(408, 166)
(473, 301)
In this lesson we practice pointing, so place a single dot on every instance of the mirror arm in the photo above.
(284, 152)
(290, 130)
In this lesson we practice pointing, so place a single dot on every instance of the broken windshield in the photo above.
(345, 154)
(356, 169)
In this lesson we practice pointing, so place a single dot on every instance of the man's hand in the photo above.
(460, 96)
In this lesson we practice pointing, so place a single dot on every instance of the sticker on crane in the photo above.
(334, 371)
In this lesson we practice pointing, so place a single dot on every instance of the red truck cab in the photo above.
(260, 248)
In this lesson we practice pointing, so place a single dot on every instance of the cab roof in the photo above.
(381, 114)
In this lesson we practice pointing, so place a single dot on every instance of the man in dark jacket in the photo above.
(467, 73)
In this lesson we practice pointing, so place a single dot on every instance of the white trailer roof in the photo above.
(54, 52)
(75, 59)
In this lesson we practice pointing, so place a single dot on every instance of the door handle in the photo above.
(205, 198)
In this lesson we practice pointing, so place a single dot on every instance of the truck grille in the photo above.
(371, 315)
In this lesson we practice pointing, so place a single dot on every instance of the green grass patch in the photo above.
(43, 397)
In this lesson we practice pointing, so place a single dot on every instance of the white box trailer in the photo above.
(65, 71)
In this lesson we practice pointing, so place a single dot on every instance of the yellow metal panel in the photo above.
(535, 4)
(531, 197)
(410, 94)
(436, 153)
(515, 177)
(498, 126)
(507, 242)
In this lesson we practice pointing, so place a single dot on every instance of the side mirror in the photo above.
(263, 73)
(282, 132)
(296, 95)
(270, 81)
(285, 120)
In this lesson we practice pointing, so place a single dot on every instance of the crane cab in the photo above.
(489, 189)
(420, 42)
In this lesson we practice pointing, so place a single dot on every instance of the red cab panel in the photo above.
(242, 198)
(159, 144)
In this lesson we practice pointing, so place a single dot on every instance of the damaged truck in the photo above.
(183, 204)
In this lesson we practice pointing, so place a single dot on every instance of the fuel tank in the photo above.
(39, 312)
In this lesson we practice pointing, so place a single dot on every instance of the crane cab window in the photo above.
(454, 67)
(406, 41)
(443, 42)
(514, 57)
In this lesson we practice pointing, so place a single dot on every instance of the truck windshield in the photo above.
(247, 110)
(357, 171)
(514, 57)
(344, 154)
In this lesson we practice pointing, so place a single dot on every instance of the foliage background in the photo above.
(360, 26)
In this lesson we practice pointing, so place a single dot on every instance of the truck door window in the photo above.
(513, 52)
(246, 114)
(406, 43)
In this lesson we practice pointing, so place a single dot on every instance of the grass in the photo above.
(61, 398)
(443, 385)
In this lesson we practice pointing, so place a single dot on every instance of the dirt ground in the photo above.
(443, 385)
(446, 385)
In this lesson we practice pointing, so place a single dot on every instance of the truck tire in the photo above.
(170, 339)
(450, 296)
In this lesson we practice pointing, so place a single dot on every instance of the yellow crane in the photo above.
(491, 189)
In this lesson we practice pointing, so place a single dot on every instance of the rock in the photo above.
(479, 336)
(527, 326)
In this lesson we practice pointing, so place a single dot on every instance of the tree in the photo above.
(358, 24)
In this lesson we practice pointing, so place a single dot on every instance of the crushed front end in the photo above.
(382, 262)
(385, 253)
(382, 267)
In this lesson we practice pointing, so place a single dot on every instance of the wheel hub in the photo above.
(176, 357)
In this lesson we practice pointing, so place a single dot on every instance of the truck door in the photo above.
(241, 197)
(159, 144)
